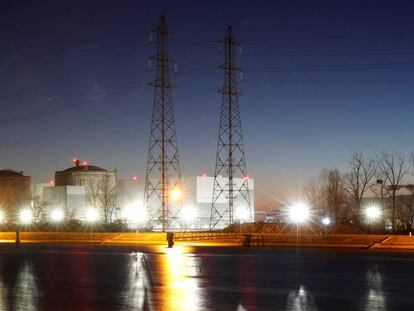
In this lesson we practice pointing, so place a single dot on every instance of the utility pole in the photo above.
(231, 182)
(163, 167)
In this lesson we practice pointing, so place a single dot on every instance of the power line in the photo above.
(329, 81)
(333, 67)
(336, 65)
(74, 102)
(98, 122)
(79, 127)
(68, 73)
(86, 97)
(375, 34)
(333, 51)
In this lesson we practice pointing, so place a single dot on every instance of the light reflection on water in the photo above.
(300, 300)
(26, 288)
(182, 278)
(138, 288)
(3, 296)
(182, 288)
(375, 300)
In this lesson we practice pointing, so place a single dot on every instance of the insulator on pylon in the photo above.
(175, 67)
(149, 64)
(220, 47)
(150, 37)
(240, 50)
(241, 75)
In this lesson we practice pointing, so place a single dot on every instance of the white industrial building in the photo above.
(73, 186)
(198, 196)
(70, 199)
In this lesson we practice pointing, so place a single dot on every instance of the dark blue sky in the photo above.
(321, 79)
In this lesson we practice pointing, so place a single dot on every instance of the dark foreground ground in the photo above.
(103, 277)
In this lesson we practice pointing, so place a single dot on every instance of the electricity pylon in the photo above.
(163, 176)
(231, 197)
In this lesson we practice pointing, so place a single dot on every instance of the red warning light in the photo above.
(76, 161)
(246, 178)
(135, 178)
(204, 175)
(52, 182)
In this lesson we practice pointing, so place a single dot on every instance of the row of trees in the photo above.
(383, 181)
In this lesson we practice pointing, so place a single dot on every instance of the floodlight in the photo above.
(57, 215)
(92, 215)
(372, 212)
(135, 213)
(26, 216)
(299, 212)
(176, 194)
(326, 221)
(242, 214)
(188, 214)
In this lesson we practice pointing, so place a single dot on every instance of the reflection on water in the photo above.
(375, 299)
(300, 300)
(26, 288)
(138, 288)
(182, 288)
(3, 295)
(182, 278)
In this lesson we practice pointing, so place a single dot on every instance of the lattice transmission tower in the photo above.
(231, 197)
(163, 176)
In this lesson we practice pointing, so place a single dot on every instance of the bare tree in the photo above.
(333, 194)
(405, 214)
(313, 193)
(102, 195)
(392, 169)
(358, 180)
(39, 207)
(108, 198)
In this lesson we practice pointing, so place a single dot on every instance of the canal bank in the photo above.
(356, 241)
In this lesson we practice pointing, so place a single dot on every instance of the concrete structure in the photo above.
(70, 199)
(99, 187)
(198, 195)
(15, 192)
(197, 198)
(86, 175)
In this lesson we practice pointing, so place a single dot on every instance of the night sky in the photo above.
(321, 79)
